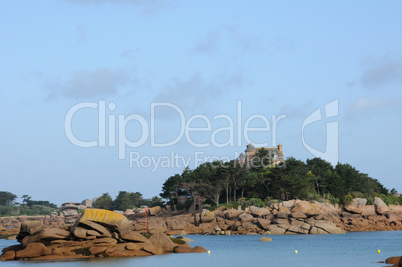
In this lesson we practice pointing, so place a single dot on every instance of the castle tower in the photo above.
(280, 148)
(250, 153)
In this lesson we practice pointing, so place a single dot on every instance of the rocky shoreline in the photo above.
(96, 233)
(288, 217)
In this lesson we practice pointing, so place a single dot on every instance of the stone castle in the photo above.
(276, 154)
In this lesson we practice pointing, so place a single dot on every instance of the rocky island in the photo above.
(102, 233)
(96, 233)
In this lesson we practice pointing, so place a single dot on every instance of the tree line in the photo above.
(315, 179)
(9, 206)
(125, 200)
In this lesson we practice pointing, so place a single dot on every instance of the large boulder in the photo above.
(129, 212)
(288, 204)
(119, 212)
(93, 233)
(305, 207)
(98, 249)
(258, 212)
(105, 217)
(368, 210)
(275, 230)
(162, 241)
(148, 247)
(182, 249)
(207, 216)
(251, 227)
(263, 223)
(154, 210)
(33, 250)
(379, 206)
(104, 241)
(396, 261)
(133, 237)
(53, 234)
(87, 203)
(70, 205)
(357, 205)
(244, 217)
(232, 214)
(298, 215)
(175, 224)
(8, 256)
(317, 231)
(80, 232)
(70, 212)
(299, 227)
(328, 227)
(280, 221)
(29, 228)
(99, 228)
(265, 239)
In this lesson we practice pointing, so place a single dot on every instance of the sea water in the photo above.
(350, 249)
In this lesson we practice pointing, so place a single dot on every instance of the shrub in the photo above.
(347, 199)
(330, 198)
(179, 206)
(9, 210)
(357, 194)
(177, 241)
(231, 206)
(370, 200)
(257, 202)
(188, 204)
(314, 196)
(206, 206)
(82, 251)
(147, 235)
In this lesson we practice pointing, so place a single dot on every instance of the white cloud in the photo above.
(211, 41)
(89, 83)
(300, 111)
(381, 72)
(366, 106)
(198, 91)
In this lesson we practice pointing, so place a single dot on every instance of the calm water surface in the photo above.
(351, 249)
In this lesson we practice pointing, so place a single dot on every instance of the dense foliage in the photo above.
(125, 200)
(9, 207)
(315, 179)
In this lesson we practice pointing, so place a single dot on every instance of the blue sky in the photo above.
(206, 59)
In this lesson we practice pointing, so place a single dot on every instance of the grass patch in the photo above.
(177, 241)
(147, 235)
(82, 251)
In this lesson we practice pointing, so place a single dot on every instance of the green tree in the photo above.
(319, 168)
(171, 188)
(127, 200)
(210, 182)
(26, 199)
(7, 198)
(104, 202)
(156, 201)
